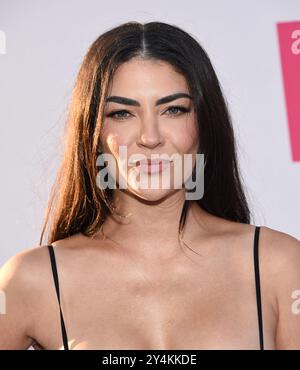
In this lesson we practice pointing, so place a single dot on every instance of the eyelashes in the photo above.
(116, 113)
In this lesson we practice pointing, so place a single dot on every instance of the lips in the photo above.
(150, 162)
(152, 165)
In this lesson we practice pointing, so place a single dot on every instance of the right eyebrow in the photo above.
(165, 99)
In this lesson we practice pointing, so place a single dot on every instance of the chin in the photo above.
(152, 194)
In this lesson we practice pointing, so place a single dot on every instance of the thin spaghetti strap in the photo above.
(55, 278)
(257, 285)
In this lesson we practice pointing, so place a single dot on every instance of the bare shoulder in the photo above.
(280, 260)
(276, 236)
(278, 248)
(281, 252)
(279, 255)
(32, 265)
(21, 281)
(25, 275)
(25, 266)
(26, 282)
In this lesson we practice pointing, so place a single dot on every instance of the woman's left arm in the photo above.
(285, 260)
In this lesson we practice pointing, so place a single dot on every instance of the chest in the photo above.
(207, 311)
(183, 306)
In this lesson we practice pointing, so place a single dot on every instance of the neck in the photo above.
(149, 228)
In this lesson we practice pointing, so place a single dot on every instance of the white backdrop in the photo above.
(45, 44)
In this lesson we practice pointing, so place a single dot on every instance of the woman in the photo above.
(148, 268)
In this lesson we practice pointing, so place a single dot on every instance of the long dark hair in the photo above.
(76, 203)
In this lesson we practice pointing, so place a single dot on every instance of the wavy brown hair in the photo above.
(77, 203)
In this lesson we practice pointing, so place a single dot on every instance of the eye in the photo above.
(176, 109)
(118, 115)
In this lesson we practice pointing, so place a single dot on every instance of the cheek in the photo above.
(110, 144)
(112, 139)
(115, 144)
(185, 136)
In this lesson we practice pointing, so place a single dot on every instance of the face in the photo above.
(144, 126)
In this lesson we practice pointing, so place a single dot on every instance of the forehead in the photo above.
(147, 76)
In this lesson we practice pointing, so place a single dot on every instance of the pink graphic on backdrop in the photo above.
(289, 45)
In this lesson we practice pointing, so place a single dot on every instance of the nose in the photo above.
(150, 136)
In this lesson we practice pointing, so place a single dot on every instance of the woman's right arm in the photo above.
(16, 314)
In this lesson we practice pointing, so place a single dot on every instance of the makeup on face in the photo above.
(152, 166)
(119, 115)
(149, 109)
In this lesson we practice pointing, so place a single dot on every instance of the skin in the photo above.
(136, 288)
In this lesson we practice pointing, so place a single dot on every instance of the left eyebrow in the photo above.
(165, 99)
